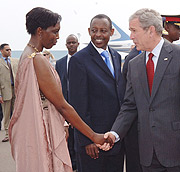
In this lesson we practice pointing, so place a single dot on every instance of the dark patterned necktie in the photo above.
(150, 71)
(11, 74)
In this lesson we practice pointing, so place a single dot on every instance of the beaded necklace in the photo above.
(32, 46)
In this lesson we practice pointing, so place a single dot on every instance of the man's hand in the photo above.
(108, 145)
(1, 100)
(92, 150)
(101, 139)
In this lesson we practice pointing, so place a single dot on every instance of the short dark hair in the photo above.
(40, 17)
(102, 16)
(2, 46)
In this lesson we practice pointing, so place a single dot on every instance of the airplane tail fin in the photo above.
(119, 34)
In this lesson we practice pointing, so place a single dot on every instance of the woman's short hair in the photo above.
(148, 17)
(40, 17)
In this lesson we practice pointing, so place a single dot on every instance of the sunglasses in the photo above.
(8, 49)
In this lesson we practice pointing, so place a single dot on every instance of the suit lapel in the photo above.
(65, 66)
(143, 74)
(116, 64)
(163, 61)
(4, 63)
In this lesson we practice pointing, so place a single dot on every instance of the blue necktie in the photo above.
(105, 54)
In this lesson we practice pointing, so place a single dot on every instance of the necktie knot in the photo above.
(105, 54)
(151, 56)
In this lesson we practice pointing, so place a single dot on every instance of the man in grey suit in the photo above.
(8, 69)
(155, 100)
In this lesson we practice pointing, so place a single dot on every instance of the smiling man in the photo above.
(96, 92)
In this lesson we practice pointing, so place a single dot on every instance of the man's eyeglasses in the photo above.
(8, 49)
(73, 42)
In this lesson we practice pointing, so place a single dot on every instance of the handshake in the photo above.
(104, 141)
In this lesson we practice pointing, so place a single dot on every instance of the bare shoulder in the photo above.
(40, 62)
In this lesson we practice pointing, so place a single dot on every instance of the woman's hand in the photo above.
(99, 139)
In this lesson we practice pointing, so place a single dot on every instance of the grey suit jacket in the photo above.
(5, 80)
(158, 114)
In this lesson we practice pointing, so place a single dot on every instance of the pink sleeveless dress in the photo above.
(36, 129)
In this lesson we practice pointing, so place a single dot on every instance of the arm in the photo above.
(53, 93)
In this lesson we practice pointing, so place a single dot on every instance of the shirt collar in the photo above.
(99, 50)
(156, 51)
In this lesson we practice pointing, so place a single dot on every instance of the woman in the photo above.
(36, 129)
(49, 57)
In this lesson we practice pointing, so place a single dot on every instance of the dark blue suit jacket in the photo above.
(61, 68)
(95, 93)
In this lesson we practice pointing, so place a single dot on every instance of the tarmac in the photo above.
(7, 163)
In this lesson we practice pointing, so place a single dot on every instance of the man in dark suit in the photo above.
(96, 92)
(62, 68)
(155, 100)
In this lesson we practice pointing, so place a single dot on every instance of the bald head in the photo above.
(72, 44)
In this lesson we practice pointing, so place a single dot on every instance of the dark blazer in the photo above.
(95, 93)
(61, 68)
(158, 114)
(133, 53)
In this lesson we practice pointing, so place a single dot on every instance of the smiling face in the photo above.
(50, 35)
(100, 32)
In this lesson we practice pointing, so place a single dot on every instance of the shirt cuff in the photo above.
(66, 124)
(116, 136)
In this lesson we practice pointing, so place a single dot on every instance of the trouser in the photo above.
(157, 167)
(1, 115)
(7, 108)
(110, 163)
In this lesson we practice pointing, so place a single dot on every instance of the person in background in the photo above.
(1, 116)
(49, 56)
(171, 24)
(152, 95)
(62, 70)
(8, 71)
(96, 92)
(36, 129)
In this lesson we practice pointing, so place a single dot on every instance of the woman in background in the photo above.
(49, 56)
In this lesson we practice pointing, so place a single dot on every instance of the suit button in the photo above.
(151, 109)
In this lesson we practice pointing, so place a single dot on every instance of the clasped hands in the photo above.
(102, 141)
